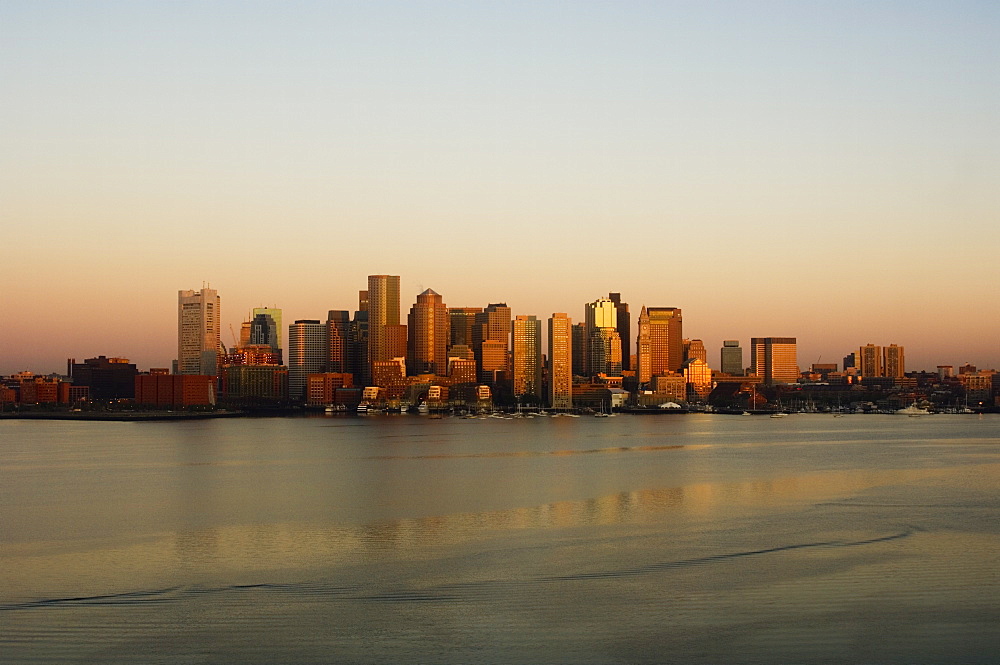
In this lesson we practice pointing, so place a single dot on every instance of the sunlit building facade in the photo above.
(526, 335)
(383, 311)
(560, 361)
(659, 343)
(429, 327)
(307, 354)
(198, 332)
(774, 359)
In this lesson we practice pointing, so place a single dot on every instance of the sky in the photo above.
(821, 170)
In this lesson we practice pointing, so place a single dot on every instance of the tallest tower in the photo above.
(198, 332)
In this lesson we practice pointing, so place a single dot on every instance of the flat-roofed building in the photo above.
(774, 359)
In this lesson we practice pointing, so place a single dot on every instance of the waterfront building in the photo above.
(429, 334)
(731, 358)
(106, 378)
(698, 377)
(870, 361)
(560, 361)
(322, 388)
(171, 391)
(199, 324)
(253, 383)
(774, 359)
(624, 327)
(526, 333)
(461, 370)
(660, 342)
(307, 354)
(383, 311)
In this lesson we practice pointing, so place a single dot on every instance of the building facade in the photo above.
(560, 361)
(199, 324)
(659, 343)
(731, 358)
(383, 311)
(526, 356)
(429, 334)
(774, 359)
(307, 354)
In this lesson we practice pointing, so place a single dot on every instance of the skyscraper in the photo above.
(526, 333)
(560, 361)
(695, 349)
(774, 359)
(357, 353)
(275, 315)
(870, 361)
(429, 333)
(199, 324)
(731, 358)
(492, 325)
(338, 336)
(895, 363)
(307, 354)
(383, 311)
(660, 342)
(604, 348)
(461, 322)
(624, 325)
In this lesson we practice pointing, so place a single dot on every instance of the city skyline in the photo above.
(772, 168)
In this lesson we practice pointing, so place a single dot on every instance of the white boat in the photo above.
(778, 415)
(913, 410)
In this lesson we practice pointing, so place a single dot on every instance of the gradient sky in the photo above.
(823, 170)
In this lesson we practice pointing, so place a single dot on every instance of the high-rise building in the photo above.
(624, 321)
(870, 361)
(461, 322)
(894, 362)
(357, 353)
(695, 348)
(560, 361)
(199, 323)
(492, 325)
(383, 311)
(274, 314)
(429, 334)
(526, 333)
(604, 347)
(774, 359)
(731, 358)
(660, 342)
(338, 341)
(307, 354)
(579, 349)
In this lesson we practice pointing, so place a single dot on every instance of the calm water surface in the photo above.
(634, 539)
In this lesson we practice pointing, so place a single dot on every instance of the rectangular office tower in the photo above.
(774, 359)
(560, 362)
(732, 358)
(198, 332)
(307, 354)
(526, 333)
(383, 311)
(660, 342)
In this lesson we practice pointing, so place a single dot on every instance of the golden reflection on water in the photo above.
(44, 568)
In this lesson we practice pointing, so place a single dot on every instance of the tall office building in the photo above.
(264, 330)
(579, 342)
(624, 325)
(274, 314)
(461, 322)
(338, 341)
(492, 325)
(526, 356)
(774, 359)
(604, 347)
(894, 362)
(307, 354)
(695, 349)
(660, 342)
(383, 311)
(731, 360)
(199, 323)
(560, 361)
(357, 343)
(429, 333)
